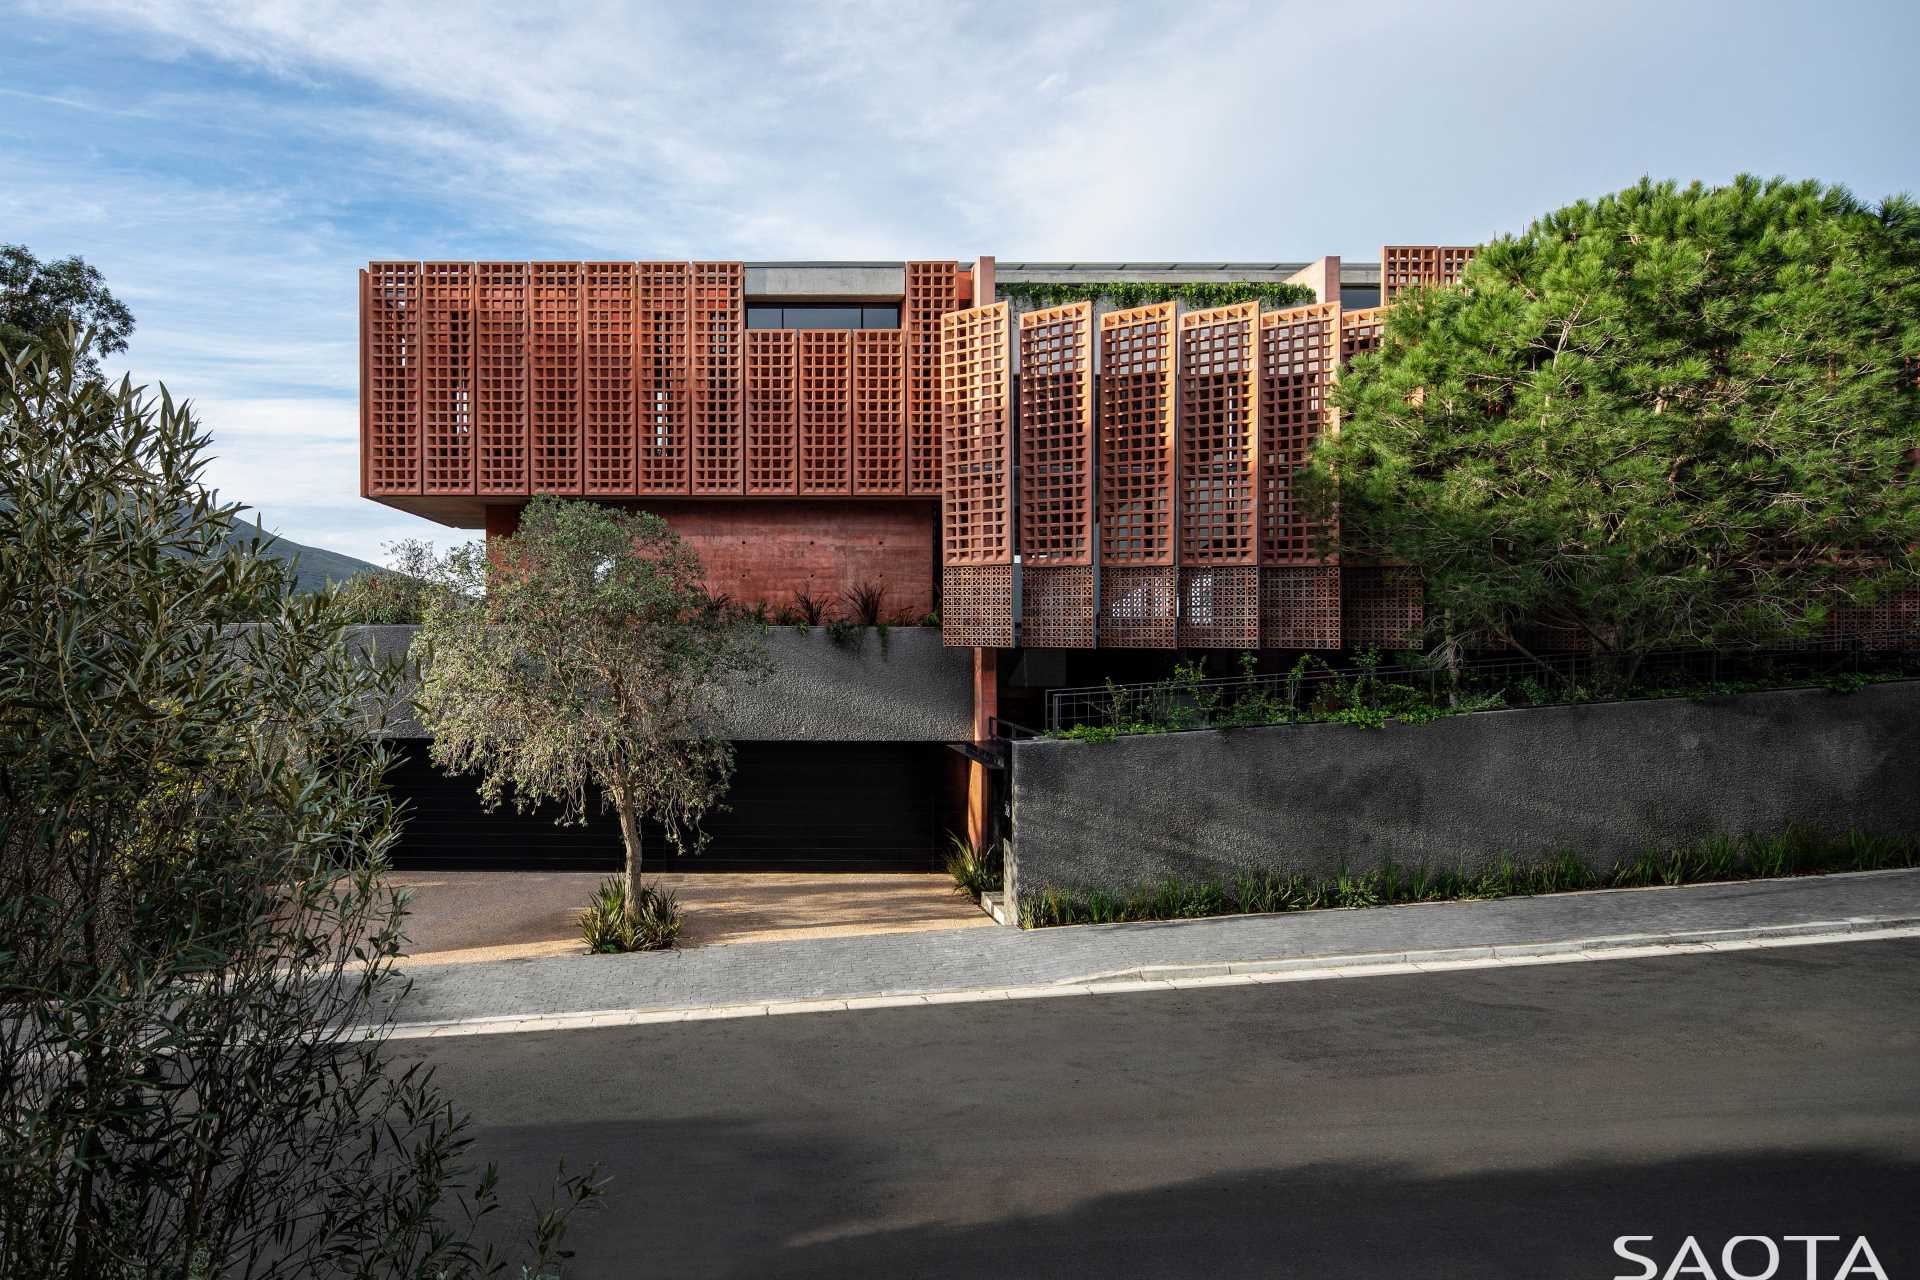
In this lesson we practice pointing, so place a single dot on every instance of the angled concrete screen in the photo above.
(772, 411)
(390, 378)
(1299, 581)
(500, 377)
(664, 393)
(826, 411)
(1138, 380)
(1419, 266)
(932, 290)
(1056, 477)
(555, 360)
(1218, 477)
(879, 417)
(611, 329)
(717, 320)
(446, 379)
(977, 478)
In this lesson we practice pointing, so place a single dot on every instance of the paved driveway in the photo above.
(498, 915)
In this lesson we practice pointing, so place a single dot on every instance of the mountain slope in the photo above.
(316, 565)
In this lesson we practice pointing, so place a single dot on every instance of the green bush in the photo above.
(608, 927)
(974, 871)
(1797, 851)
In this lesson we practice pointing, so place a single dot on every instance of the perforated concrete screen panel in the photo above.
(1137, 606)
(391, 383)
(826, 411)
(500, 377)
(1219, 452)
(1299, 352)
(1137, 380)
(932, 290)
(1056, 436)
(976, 605)
(1380, 607)
(976, 489)
(555, 359)
(717, 322)
(446, 377)
(1415, 266)
(772, 410)
(879, 413)
(611, 332)
(664, 394)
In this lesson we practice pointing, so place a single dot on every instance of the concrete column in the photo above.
(1322, 276)
(983, 280)
(986, 705)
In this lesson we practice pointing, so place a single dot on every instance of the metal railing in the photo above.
(1278, 697)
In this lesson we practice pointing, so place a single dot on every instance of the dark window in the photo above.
(1358, 297)
(822, 315)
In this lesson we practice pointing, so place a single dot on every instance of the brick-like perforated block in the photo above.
(1300, 607)
(610, 400)
(1137, 607)
(932, 290)
(392, 388)
(826, 411)
(1220, 607)
(1380, 607)
(976, 606)
(555, 405)
(1137, 377)
(663, 350)
(773, 402)
(976, 493)
(717, 320)
(1056, 606)
(446, 381)
(1056, 438)
(1360, 331)
(1219, 406)
(500, 377)
(1892, 624)
(879, 413)
(1416, 266)
(1299, 352)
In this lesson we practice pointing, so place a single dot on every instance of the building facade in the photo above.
(1081, 469)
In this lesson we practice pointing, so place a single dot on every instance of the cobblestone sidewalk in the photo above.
(969, 959)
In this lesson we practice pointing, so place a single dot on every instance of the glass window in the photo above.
(764, 318)
(816, 316)
(1356, 297)
(880, 317)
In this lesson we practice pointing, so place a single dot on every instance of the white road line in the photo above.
(1171, 979)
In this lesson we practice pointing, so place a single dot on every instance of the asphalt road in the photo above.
(1478, 1124)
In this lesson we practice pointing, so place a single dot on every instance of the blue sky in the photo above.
(229, 166)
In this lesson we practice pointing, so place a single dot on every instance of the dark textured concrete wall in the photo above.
(1605, 780)
(912, 689)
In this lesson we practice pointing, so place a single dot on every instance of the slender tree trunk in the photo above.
(630, 836)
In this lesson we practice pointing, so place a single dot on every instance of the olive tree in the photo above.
(196, 945)
(1668, 417)
(581, 660)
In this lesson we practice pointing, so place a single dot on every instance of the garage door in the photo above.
(794, 806)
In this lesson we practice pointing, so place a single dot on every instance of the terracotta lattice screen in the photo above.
(717, 319)
(1138, 380)
(1056, 476)
(664, 351)
(612, 466)
(1299, 584)
(977, 465)
(826, 411)
(773, 400)
(446, 399)
(554, 351)
(1218, 477)
(500, 377)
(932, 290)
(1414, 266)
(879, 416)
(391, 381)
(1360, 331)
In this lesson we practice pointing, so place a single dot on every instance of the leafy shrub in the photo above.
(396, 595)
(867, 603)
(1794, 852)
(811, 612)
(974, 871)
(608, 927)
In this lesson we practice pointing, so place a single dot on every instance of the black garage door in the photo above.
(794, 806)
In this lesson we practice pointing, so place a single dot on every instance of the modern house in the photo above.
(1083, 469)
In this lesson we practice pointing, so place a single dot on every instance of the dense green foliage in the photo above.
(394, 596)
(196, 945)
(608, 925)
(1669, 417)
(582, 661)
(1796, 852)
(1122, 294)
(42, 302)
(1373, 696)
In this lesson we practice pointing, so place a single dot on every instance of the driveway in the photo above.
(460, 916)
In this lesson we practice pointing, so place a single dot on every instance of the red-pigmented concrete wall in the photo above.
(766, 551)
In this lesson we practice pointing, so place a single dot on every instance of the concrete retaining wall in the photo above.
(1604, 780)
(912, 689)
